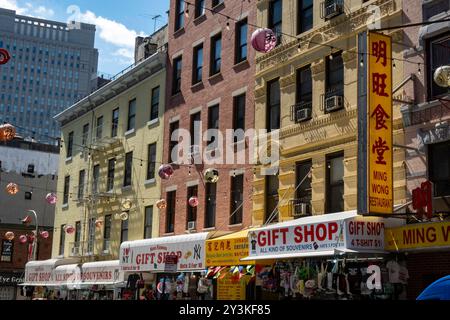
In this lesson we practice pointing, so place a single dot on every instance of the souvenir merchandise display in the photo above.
(333, 279)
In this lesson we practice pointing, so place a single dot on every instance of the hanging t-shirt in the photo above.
(354, 277)
(132, 280)
(397, 273)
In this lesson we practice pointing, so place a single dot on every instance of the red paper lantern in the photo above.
(9, 235)
(69, 229)
(4, 56)
(51, 198)
(12, 188)
(31, 238)
(23, 239)
(98, 223)
(27, 220)
(7, 132)
(45, 234)
(264, 40)
(165, 171)
(161, 204)
(193, 201)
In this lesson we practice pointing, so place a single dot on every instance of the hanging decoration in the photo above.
(7, 132)
(165, 171)
(9, 236)
(44, 234)
(27, 220)
(117, 216)
(4, 56)
(161, 204)
(211, 175)
(12, 188)
(23, 239)
(126, 204)
(51, 198)
(124, 216)
(98, 223)
(31, 238)
(264, 40)
(69, 229)
(193, 201)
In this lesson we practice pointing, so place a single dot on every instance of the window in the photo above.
(131, 115)
(210, 206)
(148, 222)
(239, 112)
(91, 236)
(7, 250)
(95, 178)
(85, 134)
(107, 233)
(215, 3)
(174, 136)
(198, 64)
(170, 212)
(303, 194)
(237, 193)
(305, 15)
(111, 169)
(81, 184)
(154, 110)
(115, 122)
(438, 55)
(241, 41)
(128, 169)
(77, 234)
(66, 190)
(334, 85)
(199, 8)
(191, 211)
(195, 129)
(304, 86)
(62, 240)
(271, 211)
(99, 128)
(216, 54)
(273, 101)
(439, 168)
(276, 18)
(179, 14)
(69, 145)
(213, 123)
(177, 65)
(335, 183)
(151, 165)
(124, 231)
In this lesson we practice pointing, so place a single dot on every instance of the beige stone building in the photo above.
(110, 152)
(307, 89)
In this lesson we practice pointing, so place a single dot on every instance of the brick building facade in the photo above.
(211, 85)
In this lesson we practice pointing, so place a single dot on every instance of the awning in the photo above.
(40, 273)
(321, 235)
(67, 276)
(103, 273)
(150, 254)
(419, 236)
(228, 250)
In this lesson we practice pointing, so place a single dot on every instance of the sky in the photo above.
(118, 23)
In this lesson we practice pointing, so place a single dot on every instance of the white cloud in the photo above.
(44, 12)
(13, 5)
(28, 9)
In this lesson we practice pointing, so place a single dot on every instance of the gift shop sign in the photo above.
(363, 234)
(38, 274)
(190, 256)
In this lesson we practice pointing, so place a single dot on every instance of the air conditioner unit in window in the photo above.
(191, 225)
(75, 251)
(303, 115)
(334, 103)
(332, 8)
(302, 209)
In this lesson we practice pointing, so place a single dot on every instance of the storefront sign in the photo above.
(375, 149)
(231, 289)
(151, 254)
(67, 275)
(35, 275)
(10, 279)
(102, 272)
(171, 262)
(227, 251)
(7, 251)
(418, 236)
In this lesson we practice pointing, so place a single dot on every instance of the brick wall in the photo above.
(233, 77)
(424, 269)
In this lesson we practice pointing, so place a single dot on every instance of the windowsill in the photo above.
(65, 206)
(241, 64)
(238, 225)
(153, 122)
(176, 94)
(69, 159)
(150, 182)
(127, 188)
(209, 229)
(178, 32)
(197, 85)
(218, 7)
(61, 256)
(200, 19)
(167, 234)
(130, 132)
(215, 76)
